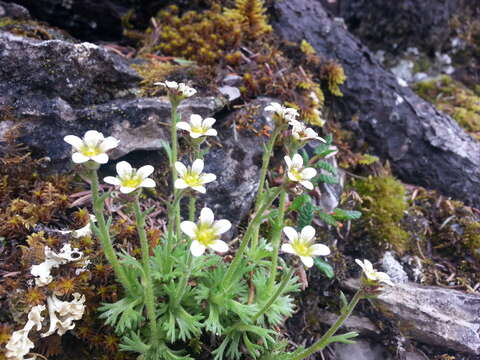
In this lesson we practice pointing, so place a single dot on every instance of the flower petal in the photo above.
(145, 171)
(208, 122)
(149, 183)
(288, 161)
(111, 180)
(127, 190)
(196, 120)
(360, 263)
(297, 161)
(195, 135)
(291, 233)
(307, 184)
(79, 158)
(197, 249)
(92, 138)
(200, 189)
(308, 173)
(189, 228)
(109, 143)
(124, 169)
(368, 266)
(219, 246)
(211, 132)
(221, 226)
(287, 248)
(100, 158)
(73, 140)
(307, 233)
(181, 169)
(180, 184)
(320, 250)
(206, 216)
(206, 178)
(183, 125)
(307, 261)
(197, 166)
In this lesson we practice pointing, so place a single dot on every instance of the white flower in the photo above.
(282, 112)
(296, 172)
(206, 233)
(19, 344)
(53, 260)
(192, 176)
(93, 146)
(302, 133)
(63, 313)
(198, 127)
(302, 245)
(177, 89)
(371, 274)
(130, 179)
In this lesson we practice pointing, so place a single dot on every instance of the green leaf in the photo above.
(327, 179)
(327, 167)
(341, 215)
(324, 267)
(344, 338)
(327, 218)
(305, 215)
(167, 148)
(299, 201)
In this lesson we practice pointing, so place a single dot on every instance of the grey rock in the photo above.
(36, 71)
(360, 324)
(436, 316)
(13, 11)
(230, 92)
(393, 268)
(331, 193)
(232, 80)
(361, 350)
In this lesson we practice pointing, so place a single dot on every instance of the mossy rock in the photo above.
(454, 99)
(384, 205)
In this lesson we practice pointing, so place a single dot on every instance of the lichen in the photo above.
(383, 207)
(454, 99)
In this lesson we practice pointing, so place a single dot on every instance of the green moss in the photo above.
(471, 238)
(383, 206)
(454, 99)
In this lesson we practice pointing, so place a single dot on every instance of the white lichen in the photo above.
(53, 260)
(62, 314)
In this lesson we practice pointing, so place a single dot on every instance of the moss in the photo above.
(384, 206)
(454, 99)
(471, 238)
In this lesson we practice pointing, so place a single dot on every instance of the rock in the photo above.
(360, 324)
(424, 147)
(237, 164)
(13, 11)
(47, 72)
(361, 350)
(436, 316)
(394, 269)
(230, 92)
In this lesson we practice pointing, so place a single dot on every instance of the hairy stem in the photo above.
(276, 237)
(267, 155)
(148, 284)
(182, 285)
(103, 234)
(264, 204)
(274, 297)
(325, 339)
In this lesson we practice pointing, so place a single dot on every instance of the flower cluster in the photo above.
(177, 91)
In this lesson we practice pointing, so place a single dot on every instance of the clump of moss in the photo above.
(454, 99)
(384, 205)
(252, 17)
(32, 29)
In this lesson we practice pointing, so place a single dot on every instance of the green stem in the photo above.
(276, 237)
(267, 155)
(173, 137)
(274, 297)
(325, 340)
(148, 284)
(104, 234)
(191, 208)
(246, 237)
(172, 220)
(182, 285)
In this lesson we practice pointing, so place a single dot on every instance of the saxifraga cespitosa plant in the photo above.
(182, 291)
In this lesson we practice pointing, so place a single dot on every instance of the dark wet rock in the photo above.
(13, 11)
(436, 316)
(424, 146)
(397, 25)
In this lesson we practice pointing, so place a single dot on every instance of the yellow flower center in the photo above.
(90, 151)
(205, 234)
(198, 129)
(302, 248)
(132, 182)
(296, 173)
(192, 179)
